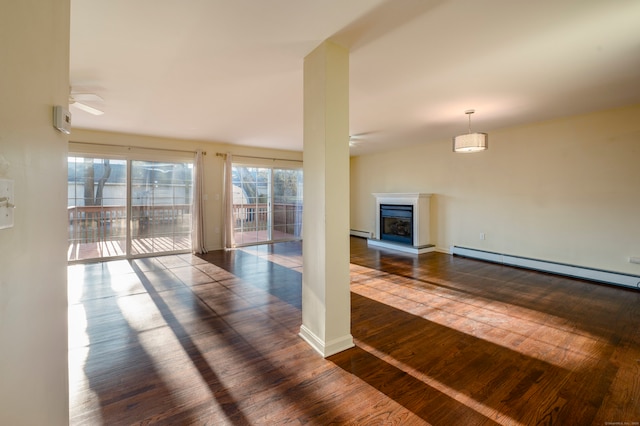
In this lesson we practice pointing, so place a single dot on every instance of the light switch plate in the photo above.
(6, 203)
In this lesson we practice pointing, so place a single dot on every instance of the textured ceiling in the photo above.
(231, 70)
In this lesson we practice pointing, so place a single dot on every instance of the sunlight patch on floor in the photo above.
(178, 372)
(485, 410)
(532, 333)
(81, 397)
(263, 251)
(78, 336)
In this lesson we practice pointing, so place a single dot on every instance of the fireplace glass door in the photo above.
(396, 223)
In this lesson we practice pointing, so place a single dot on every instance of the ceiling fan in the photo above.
(77, 100)
(358, 138)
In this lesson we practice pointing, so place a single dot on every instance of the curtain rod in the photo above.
(222, 154)
(137, 147)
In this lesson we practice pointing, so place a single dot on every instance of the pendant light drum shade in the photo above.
(471, 142)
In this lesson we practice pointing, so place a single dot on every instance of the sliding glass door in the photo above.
(267, 204)
(160, 207)
(128, 208)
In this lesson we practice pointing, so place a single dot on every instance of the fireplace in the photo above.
(402, 222)
(396, 223)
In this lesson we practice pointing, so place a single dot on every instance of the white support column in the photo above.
(326, 303)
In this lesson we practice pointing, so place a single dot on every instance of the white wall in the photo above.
(85, 142)
(565, 190)
(34, 76)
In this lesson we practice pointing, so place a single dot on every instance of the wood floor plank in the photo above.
(440, 340)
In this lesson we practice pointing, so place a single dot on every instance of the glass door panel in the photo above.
(287, 204)
(267, 204)
(160, 207)
(251, 204)
(97, 208)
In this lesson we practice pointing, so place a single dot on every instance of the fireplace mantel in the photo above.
(421, 207)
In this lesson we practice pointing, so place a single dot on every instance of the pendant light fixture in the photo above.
(470, 142)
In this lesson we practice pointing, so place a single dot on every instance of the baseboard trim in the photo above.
(329, 348)
(591, 274)
(361, 234)
(444, 250)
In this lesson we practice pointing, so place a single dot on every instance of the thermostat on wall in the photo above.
(62, 119)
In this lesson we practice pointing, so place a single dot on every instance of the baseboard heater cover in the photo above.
(361, 234)
(607, 277)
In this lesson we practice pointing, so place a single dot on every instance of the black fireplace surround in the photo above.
(396, 223)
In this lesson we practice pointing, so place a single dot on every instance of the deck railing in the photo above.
(88, 224)
(286, 218)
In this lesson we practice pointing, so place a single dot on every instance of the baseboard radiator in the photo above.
(361, 234)
(598, 275)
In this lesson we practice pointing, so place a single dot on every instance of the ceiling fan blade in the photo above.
(366, 136)
(86, 97)
(87, 108)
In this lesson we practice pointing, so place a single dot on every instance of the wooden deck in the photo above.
(141, 246)
(117, 248)
(440, 340)
(256, 237)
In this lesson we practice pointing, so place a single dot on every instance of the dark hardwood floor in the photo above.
(440, 340)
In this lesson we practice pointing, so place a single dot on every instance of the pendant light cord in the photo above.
(469, 112)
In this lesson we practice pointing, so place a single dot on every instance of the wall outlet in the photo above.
(482, 236)
(634, 260)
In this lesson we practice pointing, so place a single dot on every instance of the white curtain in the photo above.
(197, 219)
(229, 239)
